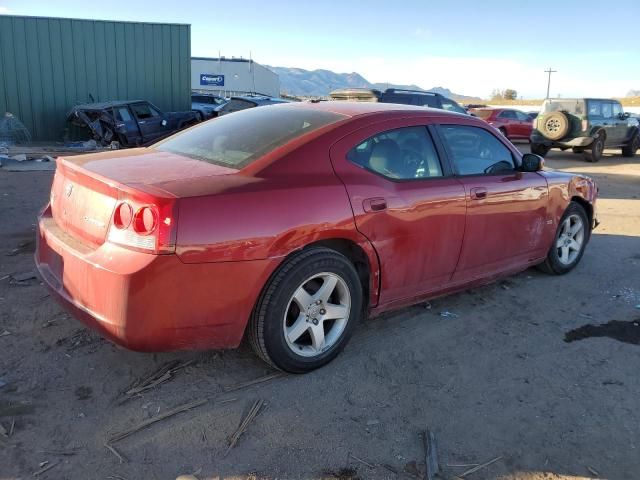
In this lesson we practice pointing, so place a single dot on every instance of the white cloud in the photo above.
(4, 10)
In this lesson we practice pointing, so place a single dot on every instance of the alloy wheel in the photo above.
(570, 239)
(317, 314)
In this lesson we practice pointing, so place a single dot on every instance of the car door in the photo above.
(506, 219)
(150, 120)
(620, 124)
(509, 122)
(406, 202)
(126, 126)
(601, 117)
(524, 124)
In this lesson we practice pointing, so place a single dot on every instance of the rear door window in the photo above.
(523, 117)
(607, 110)
(403, 154)
(617, 109)
(452, 106)
(509, 114)
(143, 111)
(122, 114)
(475, 151)
(595, 108)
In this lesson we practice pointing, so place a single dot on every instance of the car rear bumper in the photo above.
(149, 302)
(574, 142)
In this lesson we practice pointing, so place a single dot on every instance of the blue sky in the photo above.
(469, 46)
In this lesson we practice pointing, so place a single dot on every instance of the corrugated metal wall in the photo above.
(47, 65)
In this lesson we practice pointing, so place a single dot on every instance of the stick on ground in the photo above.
(122, 458)
(44, 469)
(253, 412)
(431, 459)
(479, 467)
(361, 461)
(255, 381)
(182, 408)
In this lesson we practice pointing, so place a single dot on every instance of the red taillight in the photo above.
(145, 220)
(123, 215)
(152, 228)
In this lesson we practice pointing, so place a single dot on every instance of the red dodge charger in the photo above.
(291, 222)
(512, 123)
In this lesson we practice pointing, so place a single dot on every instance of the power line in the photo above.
(549, 80)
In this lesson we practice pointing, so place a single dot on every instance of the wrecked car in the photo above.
(130, 123)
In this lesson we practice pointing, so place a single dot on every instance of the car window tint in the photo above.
(508, 114)
(122, 114)
(595, 108)
(237, 140)
(198, 99)
(523, 117)
(606, 110)
(143, 111)
(236, 105)
(404, 153)
(476, 151)
(617, 109)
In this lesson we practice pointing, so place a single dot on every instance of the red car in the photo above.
(513, 124)
(288, 223)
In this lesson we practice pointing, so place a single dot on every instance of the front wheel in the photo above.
(632, 147)
(569, 243)
(307, 312)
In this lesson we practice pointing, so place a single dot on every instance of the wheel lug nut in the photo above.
(315, 321)
(318, 302)
(322, 311)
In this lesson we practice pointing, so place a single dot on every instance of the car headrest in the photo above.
(383, 154)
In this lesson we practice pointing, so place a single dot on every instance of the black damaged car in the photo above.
(130, 123)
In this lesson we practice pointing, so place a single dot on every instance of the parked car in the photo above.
(396, 95)
(287, 223)
(206, 106)
(532, 115)
(512, 123)
(586, 125)
(131, 123)
(235, 104)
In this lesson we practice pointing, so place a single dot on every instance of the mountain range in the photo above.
(318, 83)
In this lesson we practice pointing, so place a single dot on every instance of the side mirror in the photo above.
(624, 115)
(532, 163)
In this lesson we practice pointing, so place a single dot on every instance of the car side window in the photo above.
(507, 114)
(595, 108)
(475, 151)
(122, 114)
(403, 153)
(617, 109)
(607, 110)
(143, 111)
(523, 117)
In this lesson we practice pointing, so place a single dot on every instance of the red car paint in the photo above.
(513, 124)
(228, 230)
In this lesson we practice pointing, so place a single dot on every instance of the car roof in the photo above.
(259, 99)
(103, 105)
(353, 109)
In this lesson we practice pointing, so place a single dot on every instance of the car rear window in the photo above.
(238, 139)
(575, 107)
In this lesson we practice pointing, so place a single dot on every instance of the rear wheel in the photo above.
(632, 147)
(307, 311)
(540, 149)
(569, 243)
(595, 151)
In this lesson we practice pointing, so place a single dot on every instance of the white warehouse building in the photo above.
(232, 76)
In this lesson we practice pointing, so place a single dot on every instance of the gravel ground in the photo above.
(498, 379)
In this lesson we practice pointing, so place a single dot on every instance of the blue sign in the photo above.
(212, 79)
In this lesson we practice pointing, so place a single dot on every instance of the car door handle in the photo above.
(376, 204)
(141, 122)
(478, 193)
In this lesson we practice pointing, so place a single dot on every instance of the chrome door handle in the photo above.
(376, 204)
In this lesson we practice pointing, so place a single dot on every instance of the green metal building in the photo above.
(47, 65)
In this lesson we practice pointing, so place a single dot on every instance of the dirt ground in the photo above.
(498, 379)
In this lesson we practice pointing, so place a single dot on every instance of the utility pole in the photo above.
(549, 81)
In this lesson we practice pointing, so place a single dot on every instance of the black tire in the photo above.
(552, 264)
(594, 153)
(630, 149)
(555, 125)
(540, 149)
(199, 116)
(266, 326)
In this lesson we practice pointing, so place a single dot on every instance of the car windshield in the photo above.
(237, 139)
(570, 106)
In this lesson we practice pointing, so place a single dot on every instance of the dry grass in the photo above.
(625, 101)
